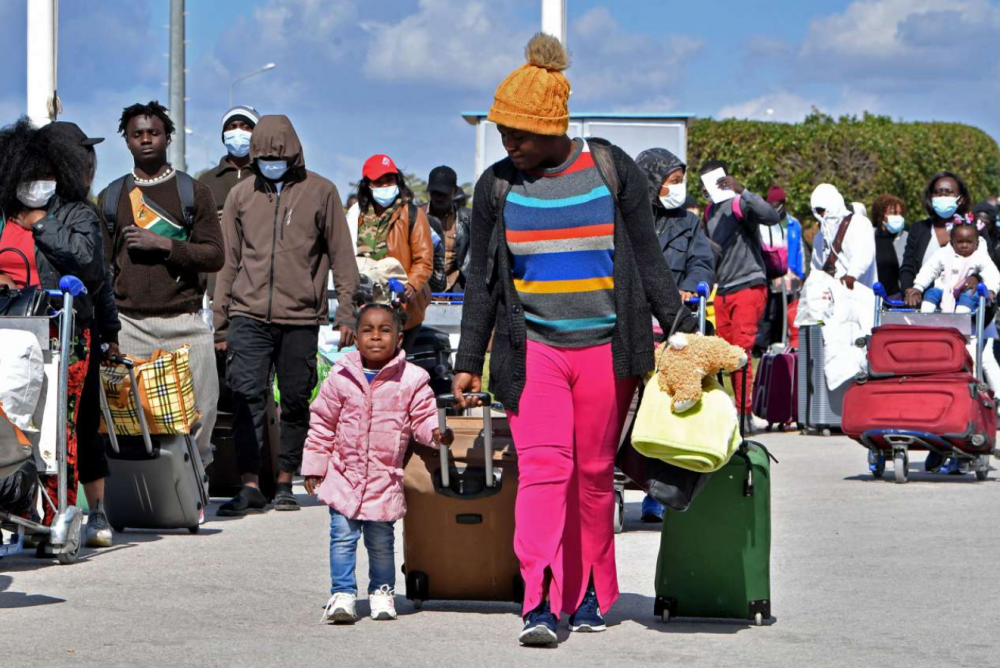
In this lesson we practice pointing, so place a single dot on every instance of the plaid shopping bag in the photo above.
(166, 394)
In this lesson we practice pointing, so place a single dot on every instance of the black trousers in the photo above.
(254, 348)
(91, 460)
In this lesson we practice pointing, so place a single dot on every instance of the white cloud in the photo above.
(449, 42)
(616, 67)
(790, 107)
(655, 104)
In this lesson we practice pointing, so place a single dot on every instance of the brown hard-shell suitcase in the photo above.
(458, 533)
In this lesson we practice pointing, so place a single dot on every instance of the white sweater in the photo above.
(946, 269)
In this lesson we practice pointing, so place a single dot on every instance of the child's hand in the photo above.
(312, 484)
(447, 438)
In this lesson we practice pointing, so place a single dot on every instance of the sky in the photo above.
(359, 77)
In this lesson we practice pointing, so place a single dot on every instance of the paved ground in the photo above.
(864, 573)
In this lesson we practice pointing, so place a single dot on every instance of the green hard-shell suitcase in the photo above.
(715, 558)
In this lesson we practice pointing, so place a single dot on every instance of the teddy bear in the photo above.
(685, 360)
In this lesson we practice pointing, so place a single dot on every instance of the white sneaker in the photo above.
(758, 424)
(383, 604)
(340, 609)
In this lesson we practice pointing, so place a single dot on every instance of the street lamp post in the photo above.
(269, 66)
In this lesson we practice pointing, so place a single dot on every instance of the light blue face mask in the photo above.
(237, 143)
(385, 195)
(272, 169)
(945, 207)
(894, 223)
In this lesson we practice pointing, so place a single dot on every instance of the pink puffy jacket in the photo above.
(358, 434)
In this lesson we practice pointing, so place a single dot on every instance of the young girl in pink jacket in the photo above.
(370, 406)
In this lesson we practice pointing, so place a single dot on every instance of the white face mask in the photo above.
(237, 143)
(36, 194)
(385, 195)
(674, 199)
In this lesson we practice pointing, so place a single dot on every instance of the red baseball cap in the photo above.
(378, 166)
(776, 194)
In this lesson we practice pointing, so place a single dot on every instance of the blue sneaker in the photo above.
(539, 627)
(588, 618)
(949, 467)
(652, 510)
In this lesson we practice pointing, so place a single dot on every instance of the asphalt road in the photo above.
(864, 572)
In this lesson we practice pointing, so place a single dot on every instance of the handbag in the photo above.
(674, 487)
(26, 300)
(165, 393)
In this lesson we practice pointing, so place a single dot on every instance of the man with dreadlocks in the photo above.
(165, 239)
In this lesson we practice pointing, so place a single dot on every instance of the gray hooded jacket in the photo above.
(682, 239)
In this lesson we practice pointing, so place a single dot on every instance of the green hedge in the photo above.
(864, 157)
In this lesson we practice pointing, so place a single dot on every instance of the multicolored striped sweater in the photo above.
(560, 230)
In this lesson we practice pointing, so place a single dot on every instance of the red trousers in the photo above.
(736, 318)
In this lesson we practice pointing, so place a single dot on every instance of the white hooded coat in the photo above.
(857, 256)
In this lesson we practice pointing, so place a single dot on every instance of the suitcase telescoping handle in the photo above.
(701, 301)
(446, 401)
(112, 436)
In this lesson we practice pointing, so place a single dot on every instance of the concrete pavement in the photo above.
(864, 572)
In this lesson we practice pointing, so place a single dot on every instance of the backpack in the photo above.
(505, 173)
(185, 189)
(775, 257)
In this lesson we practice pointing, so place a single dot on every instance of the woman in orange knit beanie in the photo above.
(566, 270)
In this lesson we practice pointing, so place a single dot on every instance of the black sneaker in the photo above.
(248, 498)
(284, 499)
(539, 627)
(587, 618)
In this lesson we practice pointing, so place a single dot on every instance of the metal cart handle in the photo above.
(143, 425)
(445, 401)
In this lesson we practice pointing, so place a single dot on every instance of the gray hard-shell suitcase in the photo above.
(156, 482)
(819, 408)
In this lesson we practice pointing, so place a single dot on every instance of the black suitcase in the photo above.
(223, 474)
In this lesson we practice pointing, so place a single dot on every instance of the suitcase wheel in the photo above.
(417, 588)
(193, 530)
(117, 528)
(758, 619)
(901, 466)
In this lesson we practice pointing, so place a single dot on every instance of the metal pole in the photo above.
(554, 19)
(41, 70)
(177, 144)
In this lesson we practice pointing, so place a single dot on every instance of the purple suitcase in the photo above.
(774, 395)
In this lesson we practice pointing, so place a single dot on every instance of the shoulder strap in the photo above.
(111, 198)
(185, 188)
(411, 213)
(605, 163)
(838, 243)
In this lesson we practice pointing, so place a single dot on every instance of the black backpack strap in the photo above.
(600, 150)
(112, 196)
(411, 212)
(185, 188)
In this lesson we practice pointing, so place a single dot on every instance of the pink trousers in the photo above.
(566, 433)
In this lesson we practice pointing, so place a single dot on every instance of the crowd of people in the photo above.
(569, 252)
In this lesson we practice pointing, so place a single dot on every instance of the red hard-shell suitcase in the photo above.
(774, 388)
(908, 350)
(954, 407)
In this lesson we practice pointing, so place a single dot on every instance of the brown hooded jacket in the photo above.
(282, 244)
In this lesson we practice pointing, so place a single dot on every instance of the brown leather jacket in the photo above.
(415, 251)
(281, 246)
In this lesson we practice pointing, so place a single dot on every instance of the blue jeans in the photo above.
(379, 541)
(967, 298)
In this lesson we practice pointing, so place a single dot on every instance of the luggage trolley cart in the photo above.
(621, 480)
(63, 538)
(972, 447)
